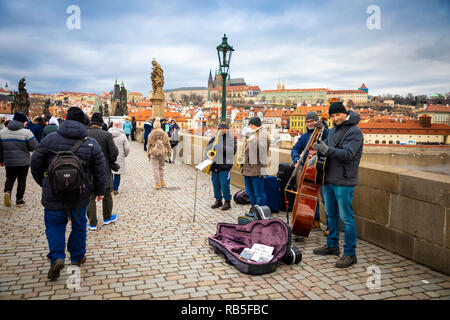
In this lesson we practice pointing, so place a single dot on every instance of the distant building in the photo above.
(356, 96)
(294, 96)
(298, 117)
(438, 113)
(134, 96)
(364, 88)
(410, 132)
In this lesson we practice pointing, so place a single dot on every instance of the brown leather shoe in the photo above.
(80, 263)
(226, 206)
(158, 186)
(326, 233)
(163, 184)
(115, 192)
(316, 224)
(55, 269)
(216, 204)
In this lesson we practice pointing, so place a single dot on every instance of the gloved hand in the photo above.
(320, 147)
(319, 124)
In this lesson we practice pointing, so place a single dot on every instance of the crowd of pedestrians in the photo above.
(79, 162)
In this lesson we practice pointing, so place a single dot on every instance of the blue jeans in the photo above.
(254, 186)
(55, 230)
(317, 214)
(116, 181)
(221, 185)
(338, 204)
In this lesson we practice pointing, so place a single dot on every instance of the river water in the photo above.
(436, 164)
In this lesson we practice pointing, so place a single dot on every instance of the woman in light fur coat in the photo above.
(158, 148)
(121, 142)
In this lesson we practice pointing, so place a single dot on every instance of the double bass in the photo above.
(312, 177)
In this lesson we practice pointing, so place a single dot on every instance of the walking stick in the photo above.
(195, 194)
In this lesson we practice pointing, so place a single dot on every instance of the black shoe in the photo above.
(346, 261)
(53, 273)
(323, 251)
(226, 206)
(20, 203)
(217, 204)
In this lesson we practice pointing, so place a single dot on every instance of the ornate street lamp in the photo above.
(224, 51)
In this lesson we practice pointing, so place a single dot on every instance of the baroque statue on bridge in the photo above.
(21, 102)
(157, 81)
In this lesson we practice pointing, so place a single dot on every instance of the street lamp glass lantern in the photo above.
(224, 51)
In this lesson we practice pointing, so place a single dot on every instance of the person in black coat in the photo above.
(225, 149)
(133, 129)
(343, 148)
(55, 214)
(110, 151)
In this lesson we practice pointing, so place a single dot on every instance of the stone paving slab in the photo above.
(156, 251)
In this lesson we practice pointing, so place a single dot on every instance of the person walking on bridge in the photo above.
(158, 149)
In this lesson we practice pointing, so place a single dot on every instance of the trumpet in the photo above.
(240, 157)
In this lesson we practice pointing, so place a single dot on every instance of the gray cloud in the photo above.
(305, 44)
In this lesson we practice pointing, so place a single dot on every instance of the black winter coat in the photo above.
(343, 159)
(110, 151)
(91, 155)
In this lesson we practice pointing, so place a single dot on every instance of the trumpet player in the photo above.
(221, 149)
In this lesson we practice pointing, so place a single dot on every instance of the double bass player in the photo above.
(343, 148)
(311, 120)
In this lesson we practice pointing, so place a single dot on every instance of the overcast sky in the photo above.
(308, 44)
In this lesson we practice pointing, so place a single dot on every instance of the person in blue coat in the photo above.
(148, 126)
(311, 119)
(36, 127)
(127, 128)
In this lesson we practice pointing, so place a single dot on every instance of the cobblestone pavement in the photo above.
(155, 251)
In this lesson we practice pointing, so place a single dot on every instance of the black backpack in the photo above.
(65, 172)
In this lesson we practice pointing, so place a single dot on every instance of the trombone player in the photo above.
(221, 150)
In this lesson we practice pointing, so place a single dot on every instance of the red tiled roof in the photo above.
(405, 127)
(363, 86)
(435, 108)
(345, 91)
(287, 90)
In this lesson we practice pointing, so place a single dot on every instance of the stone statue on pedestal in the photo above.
(106, 110)
(157, 99)
(21, 102)
(157, 81)
(46, 111)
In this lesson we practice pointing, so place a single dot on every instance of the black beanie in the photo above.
(97, 119)
(255, 121)
(336, 107)
(76, 114)
(19, 116)
(223, 125)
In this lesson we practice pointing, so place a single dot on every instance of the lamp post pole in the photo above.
(224, 97)
(224, 51)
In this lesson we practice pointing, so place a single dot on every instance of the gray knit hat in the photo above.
(312, 116)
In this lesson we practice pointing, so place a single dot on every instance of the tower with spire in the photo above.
(364, 88)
